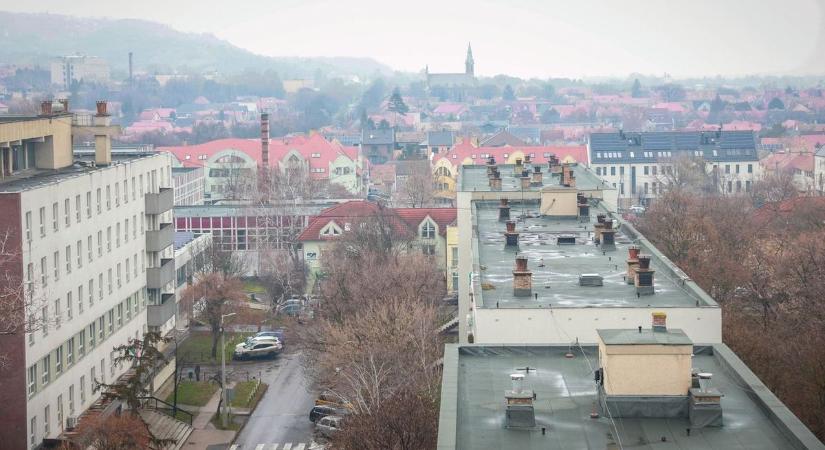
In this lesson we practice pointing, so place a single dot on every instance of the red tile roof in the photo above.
(405, 221)
(790, 161)
(327, 151)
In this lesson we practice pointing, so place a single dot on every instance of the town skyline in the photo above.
(592, 38)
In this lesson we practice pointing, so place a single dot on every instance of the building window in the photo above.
(46, 420)
(92, 334)
(55, 225)
(646, 188)
(454, 262)
(99, 202)
(42, 221)
(736, 168)
(71, 400)
(69, 305)
(117, 235)
(100, 243)
(45, 365)
(120, 315)
(109, 239)
(750, 168)
(80, 298)
(108, 197)
(428, 231)
(79, 246)
(57, 313)
(33, 432)
(81, 343)
(101, 331)
(44, 271)
(111, 321)
(56, 260)
(70, 352)
(58, 360)
(89, 204)
(68, 259)
(109, 273)
(67, 213)
(613, 170)
(32, 379)
(428, 249)
(117, 194)
(126, 230)
(77, 207)
(29, 226)
(727, 168)
(646, 170)
(82, 390)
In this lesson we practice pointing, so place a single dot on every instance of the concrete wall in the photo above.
(559, 202)
(565, 325)
(646, 369)
(56, 150)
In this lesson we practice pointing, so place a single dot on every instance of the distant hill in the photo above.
(37, 38)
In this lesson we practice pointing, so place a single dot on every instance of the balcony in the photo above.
(157, 240)
(161, 202)
(157, 315)
(158, 277)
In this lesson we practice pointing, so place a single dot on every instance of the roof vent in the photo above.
(520, 413)
(590, 279)
(705, 408)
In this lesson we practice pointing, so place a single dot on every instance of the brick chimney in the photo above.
(525, 179)
(265, 139)
(46, 108)
(495, 181)
(511, 235)
(554, 165)
(522, 278)
(537, 176)
(659, 322)
(584, 206)
(598, 227)
(519, 167)
(491, 165)
(632, 264)
(503, 209)
(608, 234)
(103, 140)
(567, 177)
(644, 276)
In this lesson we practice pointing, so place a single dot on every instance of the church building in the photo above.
(453, 86)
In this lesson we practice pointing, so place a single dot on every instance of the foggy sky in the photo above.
(528, 38)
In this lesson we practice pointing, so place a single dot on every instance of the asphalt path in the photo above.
(282, 416)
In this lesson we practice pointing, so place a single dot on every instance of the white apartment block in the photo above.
(93, 247)
(640, 165)
(71, 68)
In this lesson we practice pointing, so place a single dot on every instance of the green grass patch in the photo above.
(253, 286)
(197, 349)
(242, 394)
(230, 423)
(195, 393)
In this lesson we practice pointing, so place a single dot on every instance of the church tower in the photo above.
(469, 63)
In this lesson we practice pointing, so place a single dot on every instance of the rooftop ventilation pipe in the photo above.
(644, 276)
(503, 209)
(522, 278)
(511, 235)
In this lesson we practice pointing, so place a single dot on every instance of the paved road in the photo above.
(283, 414)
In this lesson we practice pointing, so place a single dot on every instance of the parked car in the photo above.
(319, 411)
(258, 348)
(637, 209)
(329, 425)
(291, 307)
(279, 334)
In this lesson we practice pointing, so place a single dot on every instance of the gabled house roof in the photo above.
(378, 137)
(501, 139)
(405, 221)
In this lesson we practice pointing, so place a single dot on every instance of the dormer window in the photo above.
(331, 230)
(428, 230)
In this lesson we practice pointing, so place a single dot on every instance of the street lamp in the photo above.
(223, 370)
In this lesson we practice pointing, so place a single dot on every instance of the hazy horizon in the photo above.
(591, 38)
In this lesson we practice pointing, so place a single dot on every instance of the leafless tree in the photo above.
(416, 188)
(23, 303)
(220, 295)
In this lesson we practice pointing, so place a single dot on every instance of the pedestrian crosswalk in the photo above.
(278, 446)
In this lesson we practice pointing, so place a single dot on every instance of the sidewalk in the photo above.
(204, 435)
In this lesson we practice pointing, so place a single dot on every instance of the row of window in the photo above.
(53, 318)
(72, 260)
(76, 217)
(666, 170)
(669, 154)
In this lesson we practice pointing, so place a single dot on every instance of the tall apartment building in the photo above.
(640, 165)
(66, 69)
(89, 241)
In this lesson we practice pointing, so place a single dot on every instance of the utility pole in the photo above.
(223, 371)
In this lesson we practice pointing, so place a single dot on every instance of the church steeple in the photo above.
(469, 63)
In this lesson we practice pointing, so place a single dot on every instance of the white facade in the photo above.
(85, 255)
(734, 177)
(67, 69)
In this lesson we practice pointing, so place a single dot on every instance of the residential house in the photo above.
(378, 145)
(427, 228)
